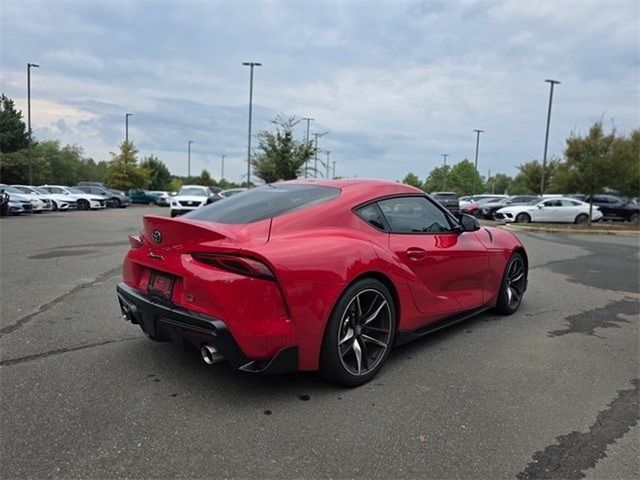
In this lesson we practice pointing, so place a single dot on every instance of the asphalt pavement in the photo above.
(550, 392)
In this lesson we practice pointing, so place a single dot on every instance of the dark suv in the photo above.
(614, 207)
(448, 200)
(114, 199)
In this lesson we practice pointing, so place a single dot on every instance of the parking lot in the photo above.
(550, 392)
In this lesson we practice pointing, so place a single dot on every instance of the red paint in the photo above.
(314, 255)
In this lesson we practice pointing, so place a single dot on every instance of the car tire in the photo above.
(359, 334)
(83, 204)
(523, 218)
(173, 214)
(115, 203)
(582, 219)
(634, 217)
(513, 285)
(54, 206)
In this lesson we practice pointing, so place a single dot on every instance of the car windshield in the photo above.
(13, 190)
(194, 191)
(533, 202)
(41, 190)
(264, 202)
(76, 190)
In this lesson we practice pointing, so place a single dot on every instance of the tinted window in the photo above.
(371, 214)
(413, 215)
(552, 203)
(264, 202)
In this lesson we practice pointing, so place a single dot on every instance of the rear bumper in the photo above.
(165, 321)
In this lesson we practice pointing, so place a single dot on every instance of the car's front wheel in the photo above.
(523, 218)
(83, 204)
(514, 283)
(582, 219)
(359, 335)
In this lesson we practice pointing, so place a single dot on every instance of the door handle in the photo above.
(416, 253)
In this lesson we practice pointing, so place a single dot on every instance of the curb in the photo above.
(632, 233)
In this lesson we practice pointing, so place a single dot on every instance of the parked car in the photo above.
(471, 199)
(137, 195)
(215, 194)
(448, 200)
(18, 204)
(616, 208)
(4, 202)
(58, 202)
(84, 200)
(163, 199)
(473, 208)
(114, 198)
(308, 275)
(488, 209)
(189, 198)
(551, 210)
(39, 204)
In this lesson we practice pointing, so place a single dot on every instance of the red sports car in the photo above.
(316, 275)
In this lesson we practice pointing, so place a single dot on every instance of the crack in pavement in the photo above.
(603, 317)
(49, 305)
(578, 451)
(28, 358)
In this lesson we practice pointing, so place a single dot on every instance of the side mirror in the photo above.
(540, 205)
(469, 223)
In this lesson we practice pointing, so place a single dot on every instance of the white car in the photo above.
(164, 199)
(189, 198)
(58, 202)
(85, 201)
(39, 204)
(550, 210)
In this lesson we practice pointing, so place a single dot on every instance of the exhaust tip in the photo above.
(210, 354)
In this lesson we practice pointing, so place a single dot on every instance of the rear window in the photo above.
(451, 196)
(264, 202)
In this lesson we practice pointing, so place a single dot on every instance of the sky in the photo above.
(393, 84)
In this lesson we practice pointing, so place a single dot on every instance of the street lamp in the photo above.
(126, 126)
(222, 172)
(473, 187)
(334, 170)
(546, 137)
(189, 158)
(315, 165)
(29, 66)
(251, 65)
(444, 168)
(309, 120)
(327, 165)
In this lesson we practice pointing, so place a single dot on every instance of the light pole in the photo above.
(189, 158)
(126, 126)
(334, 170)
(444, 168)
(546, 136)
(306, 164)
(473, 187)
(251, 65)
(29, 66)
(222, 172)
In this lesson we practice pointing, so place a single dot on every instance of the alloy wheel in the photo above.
(515, 282)
(365, 332)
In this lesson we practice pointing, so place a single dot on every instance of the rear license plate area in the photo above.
(160, 284)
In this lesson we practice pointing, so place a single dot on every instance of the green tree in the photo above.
(157, 171)
(175, 185)
(124, 172)
(13, 132)
(625, 165)
(532, 174)
(205, 179)
(464, 179)
(412, 179)
(437, 179)
(281, 156)
(498, 183)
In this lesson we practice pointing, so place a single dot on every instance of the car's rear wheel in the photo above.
(83, 204)
(582, 219)
(523, 218)
(514, 282)
(634, 218)
(359, 335)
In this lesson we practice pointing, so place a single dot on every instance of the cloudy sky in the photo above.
(395, 84)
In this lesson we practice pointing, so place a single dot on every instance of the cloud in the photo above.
(394, 84)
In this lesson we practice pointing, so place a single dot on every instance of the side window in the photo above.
(568, 203)
(552, 203)
(371, 214)
(414, 215)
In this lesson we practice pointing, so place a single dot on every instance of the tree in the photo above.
(464, 179)
(532, 174)
(175, 185)
(412, 179)
(205, 179)
(589, 162)
(499, 183)
(625, 165)
(437, 179)
(13, 132)
(124, 172)
(157, 171)
(282, 157)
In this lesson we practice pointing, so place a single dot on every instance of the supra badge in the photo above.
(156, 236)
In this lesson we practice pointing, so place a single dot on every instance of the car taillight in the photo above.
(240, 265)
(135, 241)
